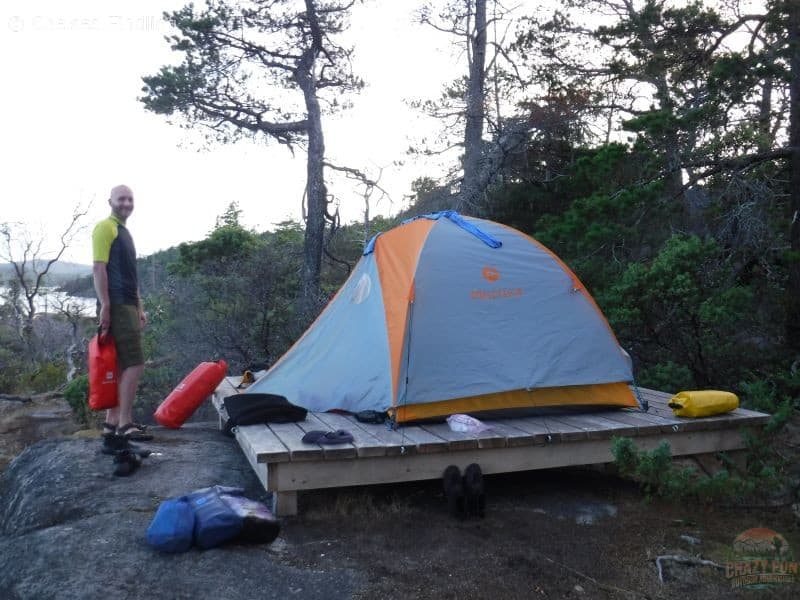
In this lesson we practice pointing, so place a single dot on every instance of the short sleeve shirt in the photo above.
(112, 244)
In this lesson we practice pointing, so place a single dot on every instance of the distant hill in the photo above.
(59, 273)
(152, 275)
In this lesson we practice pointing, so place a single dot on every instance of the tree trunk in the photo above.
(471, 190)
(27, 329)
(672, 146)
(316, 192)
(765, 138)
(317, 203)
(793, 287)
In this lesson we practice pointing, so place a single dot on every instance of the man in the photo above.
(117, 285)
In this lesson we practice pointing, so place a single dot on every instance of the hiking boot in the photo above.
(125, 463)
(115, 444)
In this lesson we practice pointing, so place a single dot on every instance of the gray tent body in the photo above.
(478, 321)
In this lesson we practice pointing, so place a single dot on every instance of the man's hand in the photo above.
(142, 318)
(105, 317)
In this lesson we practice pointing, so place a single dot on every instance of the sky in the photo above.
(73, 126)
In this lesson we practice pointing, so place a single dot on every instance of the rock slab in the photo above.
(70, 529)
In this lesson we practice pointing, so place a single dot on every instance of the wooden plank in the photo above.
(599, 428)
(666, 421)
(314, 475)
(312, 422)
(395, 442)
(259, 469)
(562, 427)
(538, 429)
(491, 439)
(683, 424)
(643, 426)
(365, 443)
(425, 441)
(514, 436)
(290, 434)
(262, 442)
(456, 440)
(746, 412)
(284, 504)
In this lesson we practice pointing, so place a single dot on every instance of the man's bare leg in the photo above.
(122, 414)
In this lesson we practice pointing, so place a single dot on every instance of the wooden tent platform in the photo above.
(286, 465)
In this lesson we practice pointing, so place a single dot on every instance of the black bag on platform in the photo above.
(250, 409)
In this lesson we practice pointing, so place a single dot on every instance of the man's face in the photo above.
(121, 201)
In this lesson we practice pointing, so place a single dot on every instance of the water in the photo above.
(50, 301)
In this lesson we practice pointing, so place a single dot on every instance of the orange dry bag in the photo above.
(102, 372)
(190, 393)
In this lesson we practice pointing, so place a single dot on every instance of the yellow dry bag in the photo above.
(703, 403)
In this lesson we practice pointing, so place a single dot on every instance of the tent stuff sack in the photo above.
(223, 514)
(704, 403)
(209, 517)
(215, 521)
(103, 376)
(250, 409)
(259, 525)
(172, 528)
(190, 393)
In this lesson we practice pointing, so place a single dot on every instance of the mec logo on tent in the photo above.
(490, 274)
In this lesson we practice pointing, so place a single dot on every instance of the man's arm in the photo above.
(100, 276)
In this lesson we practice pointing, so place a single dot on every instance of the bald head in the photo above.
(121, 202)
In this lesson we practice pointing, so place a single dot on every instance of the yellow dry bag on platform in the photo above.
(703, 403)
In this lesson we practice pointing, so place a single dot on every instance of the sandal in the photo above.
(340, 436)
(109, 428)
(134, 431)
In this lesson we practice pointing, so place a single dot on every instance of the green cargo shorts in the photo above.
(127, 331)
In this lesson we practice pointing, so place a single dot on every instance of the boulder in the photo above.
(70, 529)
(28, 419)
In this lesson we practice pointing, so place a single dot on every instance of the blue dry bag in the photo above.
(172, 527)
(215, 521)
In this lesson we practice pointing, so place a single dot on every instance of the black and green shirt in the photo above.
(113, 245)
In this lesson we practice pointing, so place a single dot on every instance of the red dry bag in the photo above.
(103, 377)
(190, 393)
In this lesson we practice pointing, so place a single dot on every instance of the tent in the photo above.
(451, 314)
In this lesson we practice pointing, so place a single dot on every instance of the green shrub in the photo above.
(77, 395)
(667, 376)
(658, 476)
(773, 396)
(11, 371)
(48, 376)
